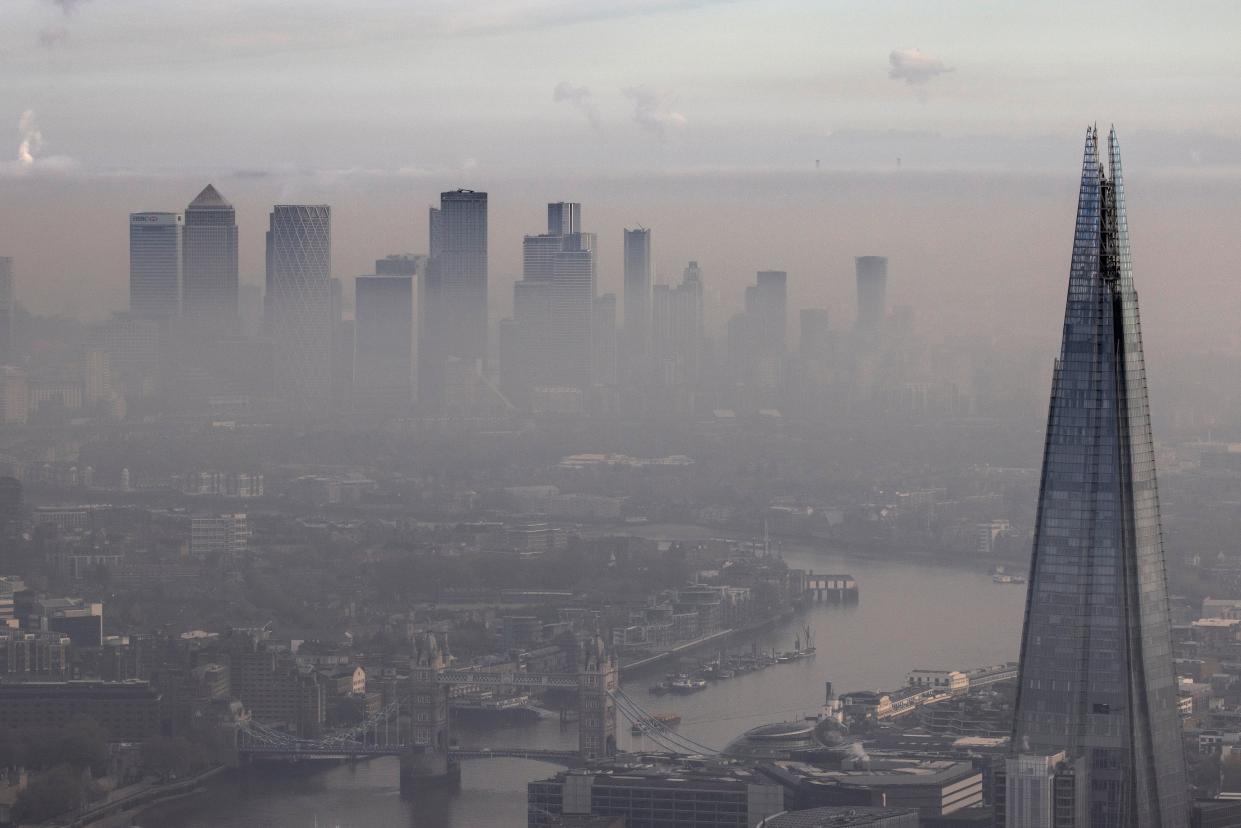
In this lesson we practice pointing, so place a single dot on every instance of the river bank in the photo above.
(643, 665)
(124, 806)
(871, 551)
(913, 615)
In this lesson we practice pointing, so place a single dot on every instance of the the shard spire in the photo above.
(1096, 679)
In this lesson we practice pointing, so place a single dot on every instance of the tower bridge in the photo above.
(417, 727)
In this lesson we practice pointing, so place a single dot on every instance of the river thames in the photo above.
(910, 615)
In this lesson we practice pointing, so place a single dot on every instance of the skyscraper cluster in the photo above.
(418, 341)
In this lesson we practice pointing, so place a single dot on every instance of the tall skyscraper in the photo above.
(1096, 678)
(453, 303)
(383, 333)
(553, 304)
(401, 264)
(7, 305)
(770, 303)
(637, 298)
(299, 256)
(603, 340)
(814, 337)
(133, 347)
(564, 218)
(155, 265)
(209, 263)
(872, 293)
(677, 330)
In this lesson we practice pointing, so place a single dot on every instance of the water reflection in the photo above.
(909, 616)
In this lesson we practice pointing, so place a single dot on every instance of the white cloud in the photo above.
(578, 97)
(914, 66)
(652, 110)
(28, 158)
(32, 137)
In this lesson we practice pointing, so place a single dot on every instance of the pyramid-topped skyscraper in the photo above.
(1097, 697)
(210, 264)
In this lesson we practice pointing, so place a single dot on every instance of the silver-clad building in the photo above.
(209, 262)
(872, 293)
(1096, 678)
(155, 265)
(299, 255)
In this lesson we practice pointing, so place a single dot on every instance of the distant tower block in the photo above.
(155, 265)
(872, 293)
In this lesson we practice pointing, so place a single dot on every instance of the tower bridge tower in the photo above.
(426, 761)
(599, 677)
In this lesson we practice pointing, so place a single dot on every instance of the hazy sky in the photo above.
(701, 119)
(519, 85)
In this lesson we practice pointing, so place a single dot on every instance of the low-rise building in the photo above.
(128, 710)
(953, 681)
(34, 653)
(228, 534)
(844, 817)
(934, 787)
(655, 796)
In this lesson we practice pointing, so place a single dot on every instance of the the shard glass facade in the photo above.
(1096, 677)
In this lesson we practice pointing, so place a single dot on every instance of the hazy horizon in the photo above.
(948, 143)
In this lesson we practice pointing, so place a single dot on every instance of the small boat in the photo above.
(660, 721)
(657, 689)
(809, 649)
(999, 576)
(685, 684)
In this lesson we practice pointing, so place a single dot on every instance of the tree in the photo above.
(59, 790)
(171, 757)
(84, 744)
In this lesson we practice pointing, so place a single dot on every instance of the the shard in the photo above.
(1096, 678)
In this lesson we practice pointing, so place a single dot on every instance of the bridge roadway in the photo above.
(507, 679)
(901, 706)
(568, 758)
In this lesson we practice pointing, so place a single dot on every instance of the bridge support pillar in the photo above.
(423, 769)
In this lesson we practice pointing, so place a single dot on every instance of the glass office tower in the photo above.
(1096, 678)
(299, 263)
